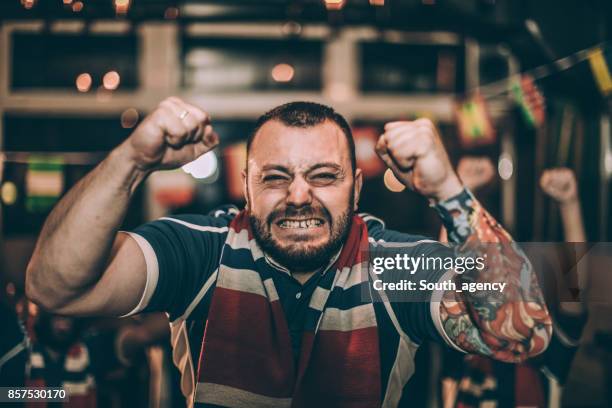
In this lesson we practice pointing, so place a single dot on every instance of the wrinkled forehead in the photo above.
(299, 148)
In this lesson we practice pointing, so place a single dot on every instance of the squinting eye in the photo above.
(274, 177)
(323, 179)
(325, 176)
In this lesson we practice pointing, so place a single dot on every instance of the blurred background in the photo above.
(523, 83)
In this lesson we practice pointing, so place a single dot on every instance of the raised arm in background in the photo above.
(560, 184)
(81, 264)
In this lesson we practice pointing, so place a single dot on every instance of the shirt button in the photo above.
(298, 295)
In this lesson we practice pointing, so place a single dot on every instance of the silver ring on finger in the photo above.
(184, 114)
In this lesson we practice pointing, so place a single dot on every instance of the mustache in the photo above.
(299, 212)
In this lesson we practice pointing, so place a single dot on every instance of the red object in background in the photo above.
(235, 161)
(365, 143)
(175, 198)
(173, 188)
(528, 387)
(533, 101)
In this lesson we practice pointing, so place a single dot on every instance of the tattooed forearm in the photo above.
(511, 325)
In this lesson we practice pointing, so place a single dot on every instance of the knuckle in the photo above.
(425, 122)
(201, 115)
(164, 105)
(158, 116)
(166, 101)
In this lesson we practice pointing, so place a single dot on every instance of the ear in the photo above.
(357, 188)
(245, 188)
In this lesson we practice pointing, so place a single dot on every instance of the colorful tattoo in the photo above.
(512, 325)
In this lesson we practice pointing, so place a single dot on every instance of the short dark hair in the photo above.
(305, 115)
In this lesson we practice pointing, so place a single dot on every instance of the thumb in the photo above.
(383, 151)
(205, 145)
(210, 139)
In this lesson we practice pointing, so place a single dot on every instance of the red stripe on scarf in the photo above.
(344, 370)
(262, 347)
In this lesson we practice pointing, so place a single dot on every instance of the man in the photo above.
(265, 304)
(60, 358)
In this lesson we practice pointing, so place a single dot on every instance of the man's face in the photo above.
(300, 192)
(57, 332)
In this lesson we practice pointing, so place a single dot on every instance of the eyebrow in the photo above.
(285, 169)
(335, 166)
(278, 167)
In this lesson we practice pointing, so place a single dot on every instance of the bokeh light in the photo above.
(122, 6)
(334, 4)
(8, 193)
(77, 6)
(505, 167)
(129, 118)
(392, 183)
(111, 80)
(292, 28)
(83, 82)
(282, 73)
(28, 4)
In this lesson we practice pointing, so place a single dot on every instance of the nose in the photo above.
(299, 193)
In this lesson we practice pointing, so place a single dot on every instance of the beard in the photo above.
(299, 256)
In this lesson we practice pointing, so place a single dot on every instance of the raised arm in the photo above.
(560, 184)
(81, 264)
(513, 325)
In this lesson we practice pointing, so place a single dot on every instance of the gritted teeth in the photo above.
(307, 223)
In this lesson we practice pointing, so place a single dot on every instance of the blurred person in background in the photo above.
(13, 347)
(60, 358)
(14, 342)
(475, 381)
(147, 337)
(119, 366)
(248, 292)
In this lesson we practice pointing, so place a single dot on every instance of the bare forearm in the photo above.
(571, 216)
(77, 237)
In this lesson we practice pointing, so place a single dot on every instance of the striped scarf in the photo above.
(246, 358)
(78, 380)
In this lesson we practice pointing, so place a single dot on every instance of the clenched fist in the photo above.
(560, 184)
(416, 155)
(174, 134)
